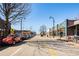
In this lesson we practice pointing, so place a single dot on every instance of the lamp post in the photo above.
(53, 24)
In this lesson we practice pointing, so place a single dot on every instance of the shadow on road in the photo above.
(20, 43)
(2, 48)
(7, 46)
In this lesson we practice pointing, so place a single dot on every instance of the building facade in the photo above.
(67, 28)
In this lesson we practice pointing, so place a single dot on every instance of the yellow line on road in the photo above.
(51, 51)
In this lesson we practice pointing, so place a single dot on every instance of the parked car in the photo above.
(12, 39)
(25, 36)
(19, 35)
(17, 38)
(33, 34)
(9, 40)
(30, 35)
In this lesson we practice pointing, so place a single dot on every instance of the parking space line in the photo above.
(16, 51)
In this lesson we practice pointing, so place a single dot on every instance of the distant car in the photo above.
(33, 34)
(30, 35)
(25, 36)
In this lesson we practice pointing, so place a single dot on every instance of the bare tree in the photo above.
(11, 12)
(43, 30)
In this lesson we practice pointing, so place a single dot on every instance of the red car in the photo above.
(9, 39)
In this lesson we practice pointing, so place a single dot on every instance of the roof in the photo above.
(75, 23)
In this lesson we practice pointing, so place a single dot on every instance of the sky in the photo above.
(42, 11)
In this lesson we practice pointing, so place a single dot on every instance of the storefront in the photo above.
(66, 29)
(62, 29)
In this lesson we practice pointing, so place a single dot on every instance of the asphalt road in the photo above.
(40, 46)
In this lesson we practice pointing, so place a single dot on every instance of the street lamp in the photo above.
(53, 23)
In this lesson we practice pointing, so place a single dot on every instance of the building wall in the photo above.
(71, 22)
(70, 28)
(65, 28)
(70, 31)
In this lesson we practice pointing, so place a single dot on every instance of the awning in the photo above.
(76, 22)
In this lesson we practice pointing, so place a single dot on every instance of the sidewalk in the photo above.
(71, 43)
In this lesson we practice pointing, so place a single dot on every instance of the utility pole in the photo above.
(53, 24)
(21, 27)
(57, 29)
(21, 19)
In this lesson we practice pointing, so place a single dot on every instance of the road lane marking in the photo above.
(51, 51)
(16, 51)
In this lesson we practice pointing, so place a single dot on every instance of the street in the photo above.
(40, 46)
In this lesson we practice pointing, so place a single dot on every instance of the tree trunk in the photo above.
(6, 28)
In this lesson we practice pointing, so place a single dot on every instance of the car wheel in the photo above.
(14, 42)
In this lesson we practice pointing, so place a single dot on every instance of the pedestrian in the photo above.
(47, 35)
